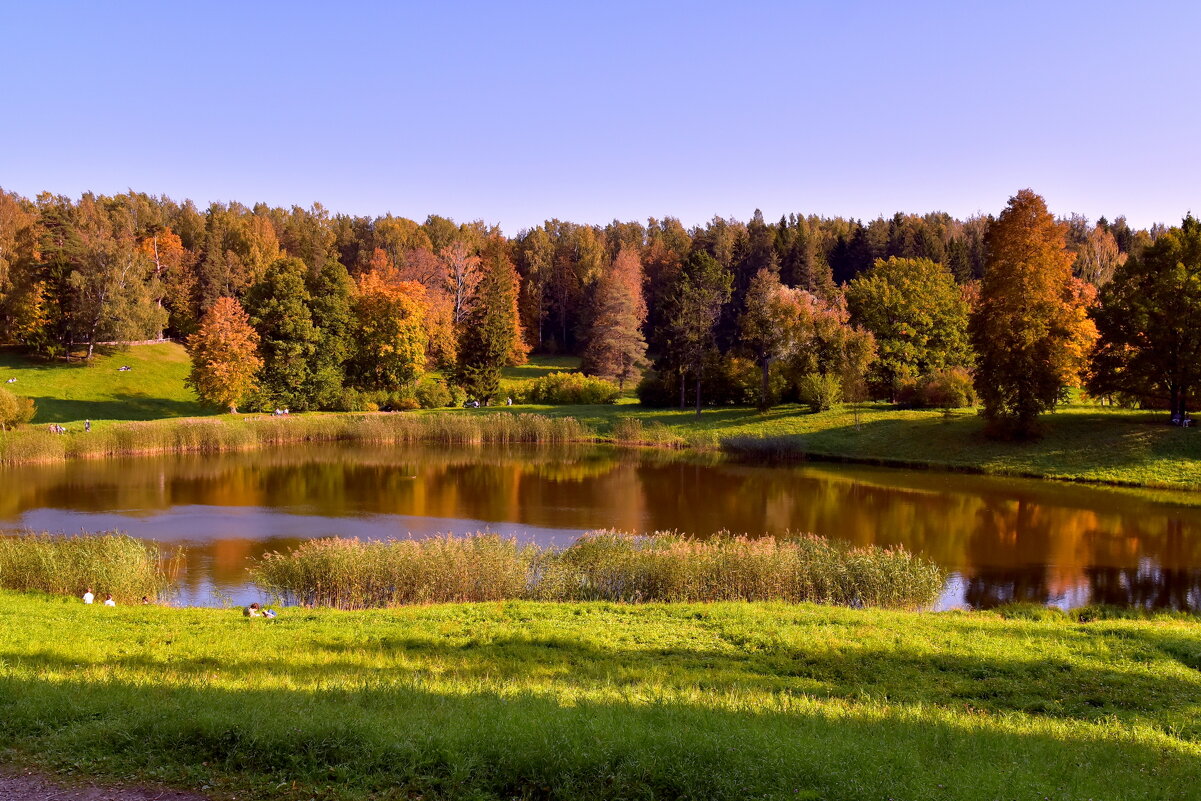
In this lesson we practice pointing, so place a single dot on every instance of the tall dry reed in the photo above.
(113, 563)
(601, 566)
(251, 432)
(353, 574)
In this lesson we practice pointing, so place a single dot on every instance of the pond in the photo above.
(1002, 539)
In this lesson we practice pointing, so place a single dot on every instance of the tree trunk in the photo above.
(683, 389)
(765, 386)
(698, 393)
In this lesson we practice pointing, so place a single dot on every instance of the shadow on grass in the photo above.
(127, 406)
(1048, 687)
(384, 739)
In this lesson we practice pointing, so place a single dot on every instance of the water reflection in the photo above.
(1003, 539)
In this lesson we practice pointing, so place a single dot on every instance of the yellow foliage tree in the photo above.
(225, 359)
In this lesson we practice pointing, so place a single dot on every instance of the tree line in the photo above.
(305, 309)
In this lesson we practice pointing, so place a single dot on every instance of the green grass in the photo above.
(601, 701)
(64, 393)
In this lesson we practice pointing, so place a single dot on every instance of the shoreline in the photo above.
(33, 444)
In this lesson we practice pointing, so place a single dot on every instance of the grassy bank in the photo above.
(600, 701)
(1082, 443)
(152, 387)
(600, 566)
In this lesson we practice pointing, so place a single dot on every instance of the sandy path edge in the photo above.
(17, 784)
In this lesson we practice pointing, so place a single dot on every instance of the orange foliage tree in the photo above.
(1030, 329)
(616, 348)
(225, 359)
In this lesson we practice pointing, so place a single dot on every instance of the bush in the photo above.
(432, 393)
(15, 410)
(950, 388)
(571, 388)
(819, 392)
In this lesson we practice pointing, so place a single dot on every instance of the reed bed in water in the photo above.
(128, 568)
(601, 566)
(250, 432)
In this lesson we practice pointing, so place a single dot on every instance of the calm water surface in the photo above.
(1003, 539)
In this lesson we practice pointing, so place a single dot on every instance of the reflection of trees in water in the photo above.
(1146, 586)
(1009, 539)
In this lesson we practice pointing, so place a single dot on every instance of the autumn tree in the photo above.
(616, 348)
(768, 326)
(825, 344)
(15, 409)
(918, 316)
(1098, 257)
(390, 333)
(490, 337)
(225, 359)
(1150, 342)
(700, 294)
(1029, 324)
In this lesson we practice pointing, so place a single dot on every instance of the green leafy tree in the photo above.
(702, 291)
(1029, 327)
(918, 315)
(490, 336)
(225, 359)
(1150, 341)
(289, 342)
(616, 348)
(331, 291)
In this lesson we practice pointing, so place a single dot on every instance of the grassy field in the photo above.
(152, 388)
(601, 701)
(1083, 442)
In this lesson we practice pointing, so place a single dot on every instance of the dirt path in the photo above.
(22, 786)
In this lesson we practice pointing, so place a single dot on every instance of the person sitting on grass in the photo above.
(108, 600)
(88, 597)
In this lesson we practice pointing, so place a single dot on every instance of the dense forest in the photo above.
(329, 311)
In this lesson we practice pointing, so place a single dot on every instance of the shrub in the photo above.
(819, 392)
(15, 410)
(950, 388)
(432, 393)
(571, 389)
(659, 390)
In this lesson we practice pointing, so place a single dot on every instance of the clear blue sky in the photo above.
(516, 112)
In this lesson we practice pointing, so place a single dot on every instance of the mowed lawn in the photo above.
(152, 388)
(603, 701)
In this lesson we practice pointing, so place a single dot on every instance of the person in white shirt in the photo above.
(88, 597)
(108, 601)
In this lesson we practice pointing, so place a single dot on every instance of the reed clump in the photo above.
(251, 432)
(600, 566)
(670, 567)
(128, 568)
(632, 431)
(353, 574)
